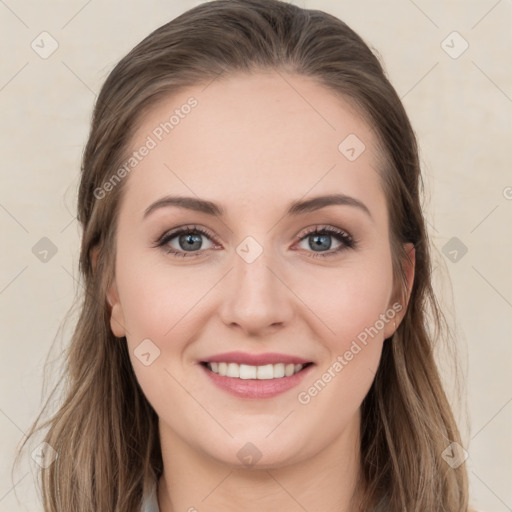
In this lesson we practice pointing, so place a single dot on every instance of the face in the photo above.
(274, 279)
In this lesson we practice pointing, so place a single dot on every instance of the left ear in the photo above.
(401, 299)
(117, 321)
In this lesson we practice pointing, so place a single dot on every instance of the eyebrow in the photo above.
(294, 208)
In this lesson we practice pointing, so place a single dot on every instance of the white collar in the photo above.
(150, 502)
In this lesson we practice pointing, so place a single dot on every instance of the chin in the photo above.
(260, 453)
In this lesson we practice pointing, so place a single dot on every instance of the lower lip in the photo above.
(256, 388)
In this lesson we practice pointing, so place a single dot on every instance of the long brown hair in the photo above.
(104, 430)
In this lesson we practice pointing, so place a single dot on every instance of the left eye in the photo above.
(190, 243)
(319, 239)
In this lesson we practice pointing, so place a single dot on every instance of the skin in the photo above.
(253, 145)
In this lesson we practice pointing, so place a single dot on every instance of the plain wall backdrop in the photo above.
(449, 61)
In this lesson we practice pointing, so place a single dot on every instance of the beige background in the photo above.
(460, 107)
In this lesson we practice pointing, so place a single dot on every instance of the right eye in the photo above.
(188, 241)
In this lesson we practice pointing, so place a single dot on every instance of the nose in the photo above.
(256, 298)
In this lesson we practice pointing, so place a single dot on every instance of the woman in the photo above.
(256, 331)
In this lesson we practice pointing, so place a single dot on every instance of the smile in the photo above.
(255, 382)
(246, 371)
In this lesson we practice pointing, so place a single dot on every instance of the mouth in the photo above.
(255, 382)
(261, 372)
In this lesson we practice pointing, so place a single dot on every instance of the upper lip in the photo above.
(255, 359)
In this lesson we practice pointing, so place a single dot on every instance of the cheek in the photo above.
(160, 305)
(348, 301)
(166, 305)
(357, 309)
(157, 298)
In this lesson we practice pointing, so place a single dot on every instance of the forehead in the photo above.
(270, 137)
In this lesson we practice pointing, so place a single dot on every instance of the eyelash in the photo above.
(342, 236)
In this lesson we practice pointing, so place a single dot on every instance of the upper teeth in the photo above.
(246, 371)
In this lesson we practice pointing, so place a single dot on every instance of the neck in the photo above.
(194, 482)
